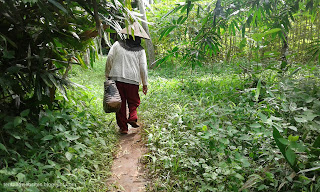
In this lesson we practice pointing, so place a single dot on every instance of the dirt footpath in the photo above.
(127, 170)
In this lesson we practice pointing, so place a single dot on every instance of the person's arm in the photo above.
(144, 71)
(145, 89)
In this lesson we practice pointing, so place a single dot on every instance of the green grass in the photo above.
(108, 135)
(207, 132)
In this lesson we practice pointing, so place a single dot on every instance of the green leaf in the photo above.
(31, 128)
(82, 114)
(237, 175)
(64, 178)
(263, 117)
(288, 154)
(21, 177)
(308, 170)
(309, 115)
(184, 8)
(8, 54)
(284, 141)
(299, 147)
(44, 120)
(15, 135)
(291, 156)
(28, 145)
(2, 147)
(52, 163)
(102, 141)
(71, 137)
(301, 119)
(293, 138)
(68, 156)
(17, 121)
(58, 5)
(25, 113)
(316, 143)
(257, 36)
(110, 30)
(175, 49)
(270, 175)
(82, 63)
(293, 128)
(243, 43)
(204, 128)
(275, 118)
(166, 31)
(245, 138)
(225, 141)
(173, 10)
(47, 138)
(32, 189)
(275, 30)
(64, 144)
(255, 125)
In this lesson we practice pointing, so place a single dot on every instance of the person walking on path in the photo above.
(127, 66)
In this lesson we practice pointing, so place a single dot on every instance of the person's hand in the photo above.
(145, 89)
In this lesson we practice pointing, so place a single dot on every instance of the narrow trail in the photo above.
(127, 170)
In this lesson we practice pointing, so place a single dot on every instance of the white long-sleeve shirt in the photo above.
(127, 66)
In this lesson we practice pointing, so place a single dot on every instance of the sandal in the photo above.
(134, 124)
(123, 132)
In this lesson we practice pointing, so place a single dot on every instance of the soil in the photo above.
(127, 170)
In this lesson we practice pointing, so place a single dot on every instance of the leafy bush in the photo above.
(215, 132)
(70, 148)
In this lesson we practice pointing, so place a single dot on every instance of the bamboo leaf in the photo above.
(173, 10)
(58, 5)
(275, 30)
(167, 31)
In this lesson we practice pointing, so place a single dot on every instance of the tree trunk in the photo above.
(311, 31)
(284, 52)
(150, 49)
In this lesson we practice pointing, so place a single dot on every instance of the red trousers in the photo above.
(129, 94)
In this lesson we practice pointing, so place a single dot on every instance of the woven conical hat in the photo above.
(137, 30)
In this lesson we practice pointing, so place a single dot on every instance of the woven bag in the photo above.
(111, 98)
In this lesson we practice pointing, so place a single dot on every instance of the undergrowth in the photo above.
(66, 148)
(215, 129)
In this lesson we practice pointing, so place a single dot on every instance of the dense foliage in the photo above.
(218, 131)
(51, 137)
(246, 119)
(200, 32)
(233, 104)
